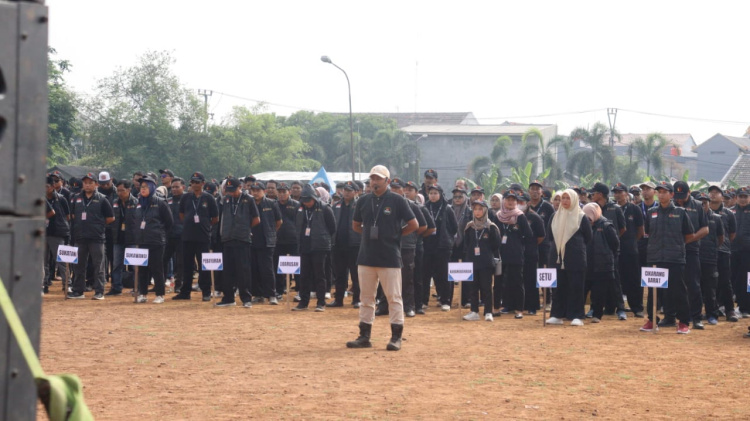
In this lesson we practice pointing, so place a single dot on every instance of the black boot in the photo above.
(382, 309)
(363, 341)
(395, 343)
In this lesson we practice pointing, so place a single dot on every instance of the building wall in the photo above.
(715, 157)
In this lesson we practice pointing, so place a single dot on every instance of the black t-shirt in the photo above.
(206, 209)
(382, 215)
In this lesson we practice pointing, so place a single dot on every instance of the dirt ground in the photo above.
(191, 361)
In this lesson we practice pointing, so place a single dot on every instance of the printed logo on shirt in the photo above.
(653, 215)
(115, 205)
(204, 204)
(486, 236)
(138, 207)
(78, 200)
(386, 211)
(672, 215)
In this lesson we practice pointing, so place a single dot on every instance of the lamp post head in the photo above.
(325, 59)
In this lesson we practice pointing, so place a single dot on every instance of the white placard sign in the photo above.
(460, 272)
(289, 265)
(546, 278)
(67, 254)
(212, 261)
(136, 257)
(654, 277)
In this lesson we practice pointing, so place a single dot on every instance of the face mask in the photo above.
(522, 208)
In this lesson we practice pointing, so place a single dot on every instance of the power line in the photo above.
(542, 115)
(706, 120)
(270, 103)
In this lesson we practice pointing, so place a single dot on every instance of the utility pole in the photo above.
(612, 117)
(205, 94)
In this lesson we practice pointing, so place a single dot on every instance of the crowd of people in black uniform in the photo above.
(597, 244)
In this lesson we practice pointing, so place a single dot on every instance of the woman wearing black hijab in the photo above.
(438, 246)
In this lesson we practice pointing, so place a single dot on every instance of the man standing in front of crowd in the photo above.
(287, 237)
(58, 229)
(346, 247)
(695, 212)
(198, 212)
(670, 230)
(724, 292)
(173, 250)
(91, 212)
(264, 241)
(629, 267)
(379, 217)
(239, 215)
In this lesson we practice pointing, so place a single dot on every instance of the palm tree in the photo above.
(392, 148)
(650, 150)
(497, 157)
(585, 159)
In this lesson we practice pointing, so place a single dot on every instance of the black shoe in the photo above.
(395, 343)
(698, 325)
(638, 314)
(76, 296)
(299, 308)
(223, 303)
(45, 289)
(114, 293)
(667, 323)
(380, 311)
(363, 340)
(419, 311)
(355, 305)
(180, 296)
(732, 317)
(335, 303)
(98, 296)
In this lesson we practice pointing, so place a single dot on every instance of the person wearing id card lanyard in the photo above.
(57, 230)
(481, 247)
(438, 247)
(382, 218)
(531, 254)
(198, 212)
(154, 219)
(122, 238)
(514, 232)
(91, 212)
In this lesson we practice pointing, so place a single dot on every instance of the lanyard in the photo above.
(195, 207)
(234, 206)
(309, 216)
(377, 214)
(86, 205)
(479, 235)
(438, 212)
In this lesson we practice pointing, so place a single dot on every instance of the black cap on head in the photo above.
(211, 187)
(477, 189)
(619, 187)
(516, 187)
(250, 178)
(743, 191)
(232, 184)
(91, 176)
(146, 178)
(480, 203)
(257, 185)
(664, 185)
(431, 174)
(282, 186)
(701, 196)
(715, 187)
(167, 172)
(510, 193)
(360, 185)
(339, 186)
(411, 184)
(536, 183)
(459, 190)
(635, 190)
(50, 180)
(198, 176)
(547, 194)
(435, 187)
(349, 185)
(75, 183)
(681, 190)
(600, 188)
(396, 182)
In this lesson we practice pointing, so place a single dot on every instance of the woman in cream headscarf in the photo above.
(569, 233)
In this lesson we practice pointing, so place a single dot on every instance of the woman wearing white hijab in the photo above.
(569, 233)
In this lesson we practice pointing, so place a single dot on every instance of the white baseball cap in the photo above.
(104, 177)
(380, 171)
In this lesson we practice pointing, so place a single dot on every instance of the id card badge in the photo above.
(307, 232)
(196, 219)
(83, 216)
(374, 232)
(505, 239)
(143, 224)
(46, 222)
(122, 227)
(476, 251)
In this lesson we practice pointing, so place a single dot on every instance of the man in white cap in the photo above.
(382, 217)
(107, 188)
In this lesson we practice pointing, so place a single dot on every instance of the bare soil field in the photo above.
(191, 361)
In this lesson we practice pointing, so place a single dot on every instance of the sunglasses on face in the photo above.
(164, 175)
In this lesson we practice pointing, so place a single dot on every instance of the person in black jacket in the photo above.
(154, 220)
(264, 241)
(569, 232)
(173, 249)
(287, 237)
(481, 247)
(600, 254)
(709, 252)
(345, 247)
(58, 229)
(122, 237)
(438, 246)
(316, 226)
(515, 232)
(531, 255)
(724, 292)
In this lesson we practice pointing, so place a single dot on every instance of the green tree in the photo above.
(63, 112)
(394, 149)
(650, 151)
(598, 156)
(492, 163)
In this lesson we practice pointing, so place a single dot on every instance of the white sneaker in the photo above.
(554, 321)
(217, 294)
(472, 317)
(445, 307)
(141, 299)
(488, 317)
(576, 322)
(273, 301)
(159, 299)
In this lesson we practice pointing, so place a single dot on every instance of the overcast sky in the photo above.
(549, 61)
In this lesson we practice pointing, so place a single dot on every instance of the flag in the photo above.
(322, 176)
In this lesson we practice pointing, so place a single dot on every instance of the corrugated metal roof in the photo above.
(484, 130)
(741, 142)
(739, 172)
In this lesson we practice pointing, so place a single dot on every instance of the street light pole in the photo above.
(325, 59)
